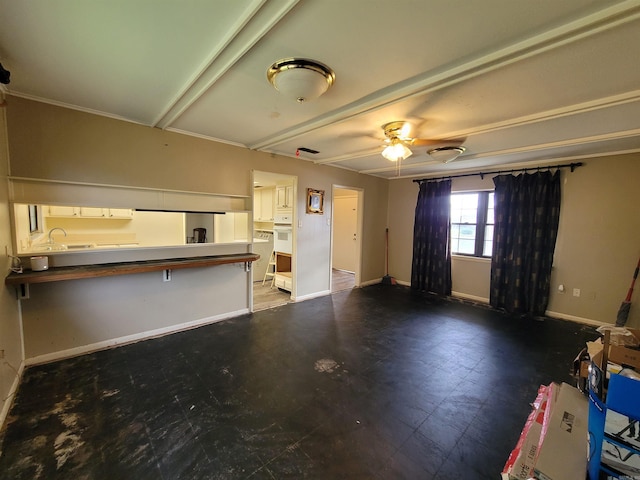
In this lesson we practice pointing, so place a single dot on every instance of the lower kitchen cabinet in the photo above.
(283, 278)
(284, 281)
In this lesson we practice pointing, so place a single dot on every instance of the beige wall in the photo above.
(60, 144)
(87, 314)
(599, 239)
(10, 328)
(597, 248)
(597, 245)
(53, 143)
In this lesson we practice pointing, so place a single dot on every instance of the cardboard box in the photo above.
(622, 355)
(625, 356)
(563, 453)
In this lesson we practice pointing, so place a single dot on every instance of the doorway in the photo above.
(346, 236)
(273, 214)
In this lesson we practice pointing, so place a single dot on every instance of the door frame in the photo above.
(359, 227)
(294, 219)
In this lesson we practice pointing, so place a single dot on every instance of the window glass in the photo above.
(472, 217)
(488, 241)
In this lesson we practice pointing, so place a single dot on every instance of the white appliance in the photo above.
(283, 238)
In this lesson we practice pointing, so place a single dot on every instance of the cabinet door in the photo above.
(257, 205)
(58, 211)
(93, 212)
(284, 197)
(120, 213)
(281, 197)
(266, 207)
(289, 195)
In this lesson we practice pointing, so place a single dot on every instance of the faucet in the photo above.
(54, 229)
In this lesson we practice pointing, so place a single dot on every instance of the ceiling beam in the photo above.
(575, 109)
(258, 20)
(607, 18)
(519, 150)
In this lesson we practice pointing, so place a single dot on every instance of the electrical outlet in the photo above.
(166, 275)
(576, 292)
(561, 288)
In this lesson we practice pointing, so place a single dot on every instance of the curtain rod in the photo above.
(572, 166)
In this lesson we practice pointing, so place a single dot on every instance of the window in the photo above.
(35, 219)
(472, 223)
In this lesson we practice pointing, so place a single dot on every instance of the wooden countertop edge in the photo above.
(57, 274)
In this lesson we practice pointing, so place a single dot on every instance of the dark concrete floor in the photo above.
(371, 383)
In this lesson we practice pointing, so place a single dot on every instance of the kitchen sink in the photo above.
(58, 247)
(49, 247)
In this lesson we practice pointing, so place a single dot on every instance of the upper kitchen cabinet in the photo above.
(93, 212)
(284, 198)
(263, 204)
(87, 212)
(58, 211)
(120, 213)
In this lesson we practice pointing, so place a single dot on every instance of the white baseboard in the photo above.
(403, 283)
(548, 313)
(370, 282)
(136, 337)
(572, 318)
(312, 295)
(8, 402)
(473, 298)
(561, 316)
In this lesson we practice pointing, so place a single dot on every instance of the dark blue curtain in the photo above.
(527, 210)
(431, 267)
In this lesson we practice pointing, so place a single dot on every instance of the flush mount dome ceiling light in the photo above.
(301, 79)
(446, 154)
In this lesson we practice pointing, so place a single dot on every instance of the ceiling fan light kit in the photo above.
(446, 154)
(396, 151)
(300, 79)
(399, 137)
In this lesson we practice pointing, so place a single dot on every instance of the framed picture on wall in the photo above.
(315, 201)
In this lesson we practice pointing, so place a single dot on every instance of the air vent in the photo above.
(308, 150)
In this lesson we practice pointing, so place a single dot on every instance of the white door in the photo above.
(345, 231)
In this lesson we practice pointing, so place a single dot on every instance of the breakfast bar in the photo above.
(57, 274)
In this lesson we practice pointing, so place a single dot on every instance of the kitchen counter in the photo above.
(57, 274)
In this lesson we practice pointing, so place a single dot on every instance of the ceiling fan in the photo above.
(399, 139)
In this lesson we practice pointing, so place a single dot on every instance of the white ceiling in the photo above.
(525, 81)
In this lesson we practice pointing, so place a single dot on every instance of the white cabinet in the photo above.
(88, 212)
(283, 281)
(283, 277)
(57, 211)
(93, 212)
(284, 197)
(120, 213)
(263, 205)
